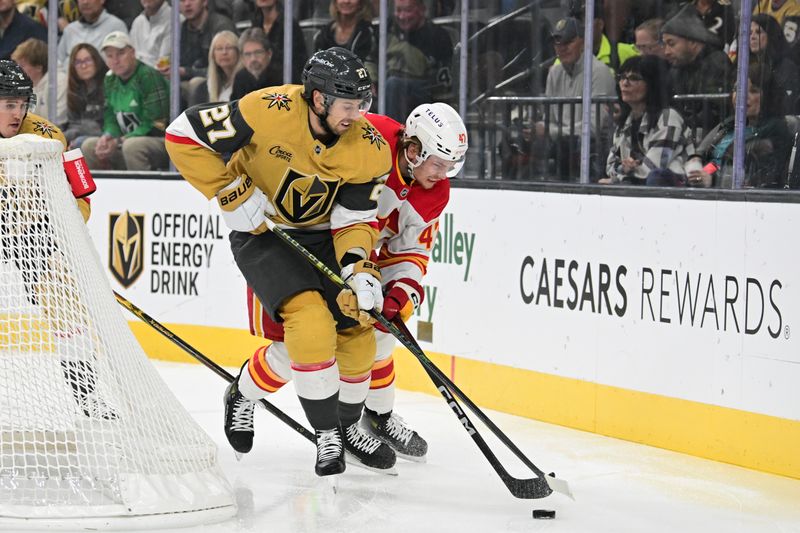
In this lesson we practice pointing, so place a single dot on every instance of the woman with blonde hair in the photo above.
(350, 28)
(224, 61)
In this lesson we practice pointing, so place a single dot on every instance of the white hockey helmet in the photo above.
(441, 132)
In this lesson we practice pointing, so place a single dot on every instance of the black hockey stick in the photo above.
(531, 488)
(224, 374)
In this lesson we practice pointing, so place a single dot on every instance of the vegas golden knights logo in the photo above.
(126, 247)
(303, 199)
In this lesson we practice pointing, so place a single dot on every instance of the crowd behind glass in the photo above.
(663, 85)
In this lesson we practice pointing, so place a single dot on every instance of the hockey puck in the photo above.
(544, 514)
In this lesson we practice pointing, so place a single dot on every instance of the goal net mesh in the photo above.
(87, 426)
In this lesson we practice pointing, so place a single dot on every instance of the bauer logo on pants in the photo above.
(126, 247)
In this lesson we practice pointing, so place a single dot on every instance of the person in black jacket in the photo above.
(350, 28)
(699, 67)
(85, 96)
(767, 140)
(16, 27)
(259, 71)
(768, 47)
(268, 16)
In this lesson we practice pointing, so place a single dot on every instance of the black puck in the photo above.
(544, 514)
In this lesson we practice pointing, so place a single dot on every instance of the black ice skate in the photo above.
(366, 451)
(392, 430)
(238, 419)
(330, 452)
(82, 379)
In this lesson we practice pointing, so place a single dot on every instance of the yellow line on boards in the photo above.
(751, 440)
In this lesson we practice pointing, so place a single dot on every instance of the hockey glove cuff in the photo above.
(402, 299)
(244, 206)
(365, 293)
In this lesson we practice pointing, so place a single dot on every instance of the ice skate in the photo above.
(82, 379)
(393, 430)
(238, 419)
(330, 452)
(367, 452)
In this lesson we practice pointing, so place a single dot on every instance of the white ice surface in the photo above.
(618, 486)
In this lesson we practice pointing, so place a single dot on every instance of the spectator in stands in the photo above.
(350, 28)
(125, 10)
(651, 142)
(258, 71)
(767, 140)
(648, 38)
(768, 47)
(718, 16)
(622, 17)
(268, 16)
(151, 33)
(92, 27)
(699, 67)
(418, 56)
(611, 53)
(791, 31)
(31, 56)
(16, 27)
(85, 97)
(197, 30)
(781, 10)
(135, 115)
(223, 64)
(243, 10)
(566, 79)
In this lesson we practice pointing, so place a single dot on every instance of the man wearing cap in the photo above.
(136, 112)
(92, 27)
(699, 66)
(566, 79)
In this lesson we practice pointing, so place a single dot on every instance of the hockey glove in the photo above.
(365, 291)
(244, 206)
(402, 299)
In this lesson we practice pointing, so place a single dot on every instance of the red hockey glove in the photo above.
(402, 299)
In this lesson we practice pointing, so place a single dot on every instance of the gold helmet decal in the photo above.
(126, 247)
(303, 199)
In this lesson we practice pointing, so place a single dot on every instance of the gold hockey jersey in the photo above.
(310, 184)
(36, 125)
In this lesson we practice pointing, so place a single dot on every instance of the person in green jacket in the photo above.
(136, 112)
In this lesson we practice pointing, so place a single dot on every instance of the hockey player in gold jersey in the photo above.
(46, 285)
(305, 157)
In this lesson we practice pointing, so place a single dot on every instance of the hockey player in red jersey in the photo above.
(430, 148)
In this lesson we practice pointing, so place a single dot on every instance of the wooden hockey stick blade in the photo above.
(224, 374)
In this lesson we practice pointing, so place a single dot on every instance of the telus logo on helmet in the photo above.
(436, 120)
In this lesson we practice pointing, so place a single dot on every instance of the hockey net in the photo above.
(89, 433)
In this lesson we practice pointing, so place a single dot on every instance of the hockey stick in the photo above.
(221, 372)
(532, 488)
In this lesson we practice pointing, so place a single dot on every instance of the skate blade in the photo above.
(333, 483)
(351, 460)
(411, 458)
